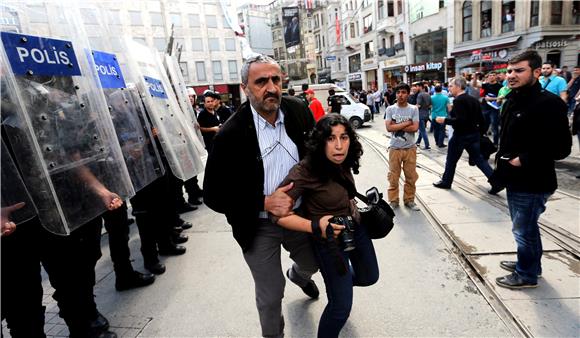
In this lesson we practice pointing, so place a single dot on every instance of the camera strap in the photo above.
(333, 248)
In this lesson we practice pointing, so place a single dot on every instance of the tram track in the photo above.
(568, 242)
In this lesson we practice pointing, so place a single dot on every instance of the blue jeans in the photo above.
(525, 210)
(423, 133)
(438, 132)
(491, 117)
(457, 144)
(364, 271)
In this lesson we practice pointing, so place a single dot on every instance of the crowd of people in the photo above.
(297, 162)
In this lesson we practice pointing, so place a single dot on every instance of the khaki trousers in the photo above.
(407, 159)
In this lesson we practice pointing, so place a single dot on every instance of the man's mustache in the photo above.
(277, 97)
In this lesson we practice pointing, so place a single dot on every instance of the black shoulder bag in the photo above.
(377, 216)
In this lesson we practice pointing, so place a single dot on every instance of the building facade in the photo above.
(489, 33)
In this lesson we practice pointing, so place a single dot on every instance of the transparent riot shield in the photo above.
(14, 191)
(178, 86)
(65, 142)
(161, 105)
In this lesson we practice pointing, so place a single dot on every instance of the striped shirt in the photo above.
(277, 150)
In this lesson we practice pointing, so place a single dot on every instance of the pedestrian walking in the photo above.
(324, 180)
(468, 124)
(440, 106)
(315, 105)
(525, 162)
(402, 120)
(424, 105)
(263, 140)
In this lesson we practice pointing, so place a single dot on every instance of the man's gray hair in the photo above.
(459, 81)
(254, 59)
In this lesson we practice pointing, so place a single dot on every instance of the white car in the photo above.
(356, 112)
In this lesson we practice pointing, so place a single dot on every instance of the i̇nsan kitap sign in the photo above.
(423, 67)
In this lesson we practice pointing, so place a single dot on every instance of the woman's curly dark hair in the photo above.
(316, 145)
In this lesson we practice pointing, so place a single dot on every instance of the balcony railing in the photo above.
(399, 46)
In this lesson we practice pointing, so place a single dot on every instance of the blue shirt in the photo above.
(556, 84)
(439, 104)
(278, 151)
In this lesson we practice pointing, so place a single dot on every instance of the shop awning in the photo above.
(221, 88)
(494, 44)
(200, 89)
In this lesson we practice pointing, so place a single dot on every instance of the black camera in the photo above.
(347, 234)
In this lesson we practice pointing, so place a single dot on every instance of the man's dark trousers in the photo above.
(457, 144)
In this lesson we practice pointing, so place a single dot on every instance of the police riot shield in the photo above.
(14, 192)
(174, 135)
(180, 90)
(65, 143)
(124, 104)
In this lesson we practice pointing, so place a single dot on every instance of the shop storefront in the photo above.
(391, 69)
(483, 61)
(432, 70)
(355, 81)
(561, 50)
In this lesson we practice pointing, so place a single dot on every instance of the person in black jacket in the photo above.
(467, 121)
(531, 141)
(262, 141)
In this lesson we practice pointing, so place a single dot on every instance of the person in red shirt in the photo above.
(315, 105)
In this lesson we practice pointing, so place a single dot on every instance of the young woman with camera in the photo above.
(327, 210)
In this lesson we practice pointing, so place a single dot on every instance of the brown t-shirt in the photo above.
(320, 198)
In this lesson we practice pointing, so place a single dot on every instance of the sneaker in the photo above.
(310, 289)
(394, 205)
(514, 281)
(412, 205)
(511, 266)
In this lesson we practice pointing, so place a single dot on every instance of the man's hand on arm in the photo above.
(280, 204)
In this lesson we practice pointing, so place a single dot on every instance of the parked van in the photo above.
(356, 112)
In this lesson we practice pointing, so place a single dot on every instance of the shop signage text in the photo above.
(423, 67)
(478, 55)
(551, 44)
(354, 77)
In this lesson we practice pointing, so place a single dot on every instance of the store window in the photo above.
(176, 19)
(556, 13)
(390, 8)
(200, 70)
(534, 13)
(368, 23)
(214, 44)
(508, 15)
(369, 49)
(193, 20)
(381, 9)
(184, 71)
(554, 56)
(160, 44)
(156, 19)
(467, 20)
(576, 12)
(211, 21)
(430, 47)
(486, 19)
(217, 70)
(354, 63)
(233, 69)
(197, 45)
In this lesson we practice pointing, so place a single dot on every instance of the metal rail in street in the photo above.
(465, 259)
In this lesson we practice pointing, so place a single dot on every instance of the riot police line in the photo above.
(85, 129)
